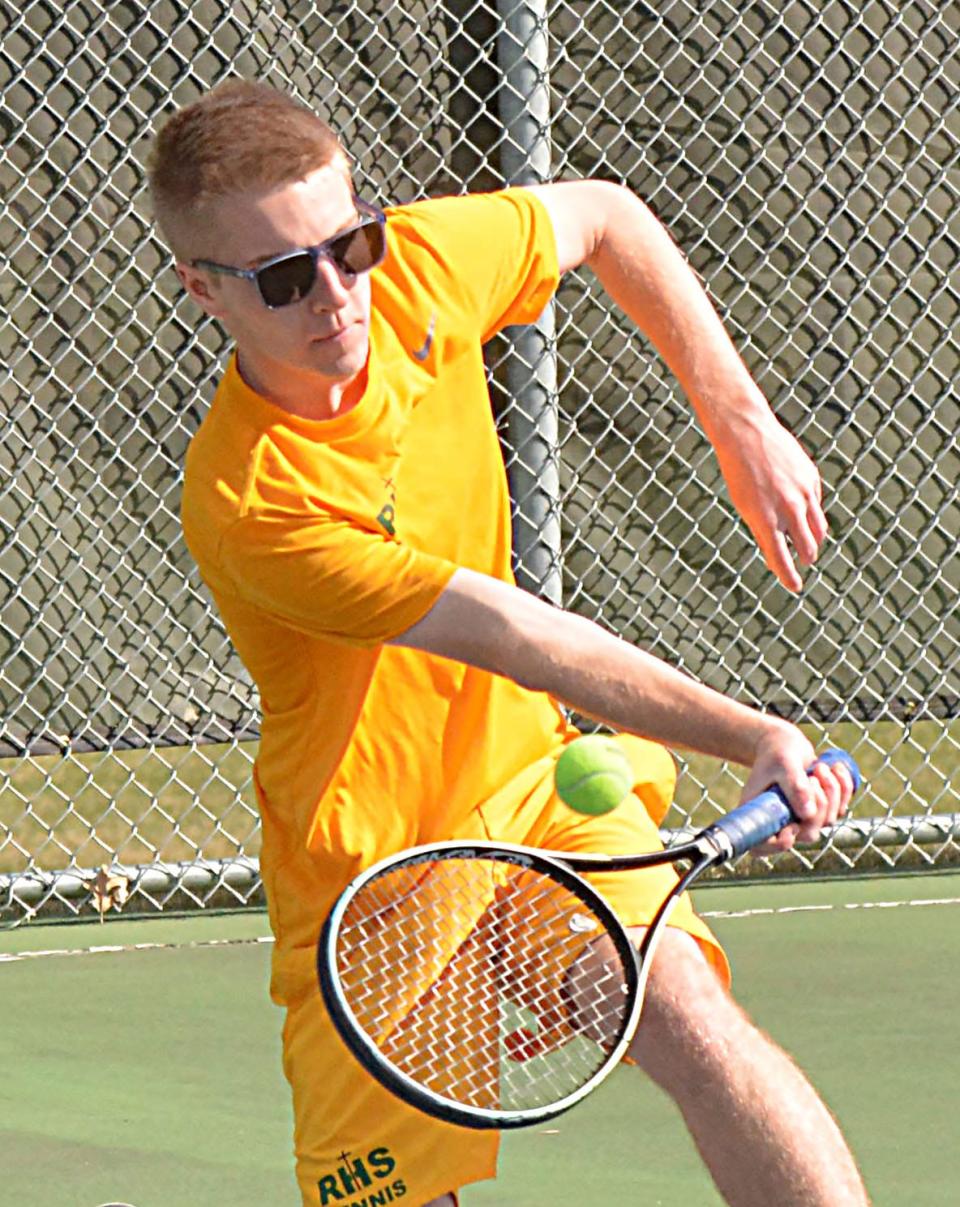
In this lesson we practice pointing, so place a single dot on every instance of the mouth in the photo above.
(334, 336)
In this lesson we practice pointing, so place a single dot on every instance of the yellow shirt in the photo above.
(321, 540)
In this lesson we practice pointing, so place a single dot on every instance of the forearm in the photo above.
(772, 482)
(599, 675)
(500, 629)
(644, 272)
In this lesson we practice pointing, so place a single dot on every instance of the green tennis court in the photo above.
(142, 1059)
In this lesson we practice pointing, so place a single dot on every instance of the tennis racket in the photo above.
(492, 986)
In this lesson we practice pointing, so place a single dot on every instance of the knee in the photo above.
(689, 1019)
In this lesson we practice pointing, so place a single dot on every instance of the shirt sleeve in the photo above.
(488, 259)
(329, 578)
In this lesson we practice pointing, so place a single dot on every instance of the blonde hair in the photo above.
(241, 136)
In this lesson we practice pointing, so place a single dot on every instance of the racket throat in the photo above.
(718, 844)
(711, 855)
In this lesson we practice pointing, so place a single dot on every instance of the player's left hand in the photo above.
(819, 799)
(777, 490)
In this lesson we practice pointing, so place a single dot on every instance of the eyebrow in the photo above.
(357, 216)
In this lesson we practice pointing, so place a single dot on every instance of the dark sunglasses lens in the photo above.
(288, 280)
(359, 250)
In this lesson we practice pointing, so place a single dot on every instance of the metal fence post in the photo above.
(531, 363)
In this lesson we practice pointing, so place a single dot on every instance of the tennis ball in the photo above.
(593, 774)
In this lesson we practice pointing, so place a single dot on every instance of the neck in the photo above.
(300, 393)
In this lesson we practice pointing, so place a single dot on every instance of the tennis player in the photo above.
(346, 502)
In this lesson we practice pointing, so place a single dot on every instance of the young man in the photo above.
(346, 503)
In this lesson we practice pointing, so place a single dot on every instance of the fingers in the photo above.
(817, 518)
(783, 841)
(835, 787)
(818, 803)
(777, 489)
(805, 528)
(808, 531)
(776, 553)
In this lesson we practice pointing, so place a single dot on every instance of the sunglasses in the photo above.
(290, 277)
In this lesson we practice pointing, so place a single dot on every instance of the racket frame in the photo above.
(563, 867)
(365, 1049)
(731, 836)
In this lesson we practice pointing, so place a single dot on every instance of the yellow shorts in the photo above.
(359, 1146)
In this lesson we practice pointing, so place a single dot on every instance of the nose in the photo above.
(331, 289)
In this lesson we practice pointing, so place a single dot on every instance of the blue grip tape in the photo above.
(766, 814)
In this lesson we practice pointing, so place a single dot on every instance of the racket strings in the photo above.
(484, 982)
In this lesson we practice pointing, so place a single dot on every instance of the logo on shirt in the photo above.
(421, 354)
(388, 512)
(361, 1181)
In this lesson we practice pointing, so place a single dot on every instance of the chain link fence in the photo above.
(805, 156)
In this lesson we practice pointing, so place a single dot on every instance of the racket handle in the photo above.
(766, 814)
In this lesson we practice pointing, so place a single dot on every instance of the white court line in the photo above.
(802, 909)
(115, 948)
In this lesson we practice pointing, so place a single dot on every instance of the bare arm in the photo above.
(502, 629)
(772, 482)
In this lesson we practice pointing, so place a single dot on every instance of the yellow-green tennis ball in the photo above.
(593, 774)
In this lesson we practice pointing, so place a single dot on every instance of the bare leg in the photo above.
(445, 1200)
(764, 1134)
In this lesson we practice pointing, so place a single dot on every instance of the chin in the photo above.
(343, 360)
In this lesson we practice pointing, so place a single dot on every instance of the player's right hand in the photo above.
(818, 799)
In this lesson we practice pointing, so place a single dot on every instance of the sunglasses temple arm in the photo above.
(226, 270)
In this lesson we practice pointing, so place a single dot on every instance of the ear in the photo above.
(201, 286)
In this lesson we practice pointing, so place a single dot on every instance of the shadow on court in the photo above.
(150, 1075)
